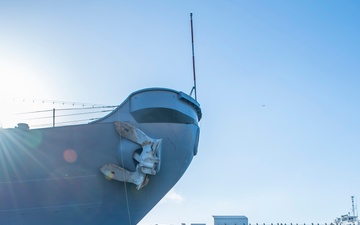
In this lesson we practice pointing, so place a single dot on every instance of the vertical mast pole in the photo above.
(193, 56)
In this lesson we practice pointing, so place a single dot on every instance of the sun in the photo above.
(20, 82)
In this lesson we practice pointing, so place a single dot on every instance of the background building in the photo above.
(230, 220)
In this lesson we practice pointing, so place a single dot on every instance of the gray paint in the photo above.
(41, 182)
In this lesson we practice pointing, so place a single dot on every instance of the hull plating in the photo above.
(51, 175)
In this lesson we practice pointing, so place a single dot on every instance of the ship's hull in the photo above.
(52, 176)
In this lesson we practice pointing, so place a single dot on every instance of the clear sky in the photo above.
(278, 83)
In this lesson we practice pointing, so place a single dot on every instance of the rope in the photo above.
(125, 186)
(66, 109)
(51, 102)
(72, 114)
(68, 115)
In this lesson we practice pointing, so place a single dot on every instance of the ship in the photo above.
(350, 218)
(113, 170)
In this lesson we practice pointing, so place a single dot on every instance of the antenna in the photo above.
(193, 57)
(353, 206)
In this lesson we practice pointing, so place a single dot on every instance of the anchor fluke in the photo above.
(118, 173)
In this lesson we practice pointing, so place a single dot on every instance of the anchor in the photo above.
(148, 160)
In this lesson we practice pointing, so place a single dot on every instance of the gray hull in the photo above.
(52, 175)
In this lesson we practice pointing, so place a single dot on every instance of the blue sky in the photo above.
(278, 83)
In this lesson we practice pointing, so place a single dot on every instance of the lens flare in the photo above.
(70, 155)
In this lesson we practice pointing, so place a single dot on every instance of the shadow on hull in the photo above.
(56, 175)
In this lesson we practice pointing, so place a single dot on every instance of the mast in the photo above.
(193, 56)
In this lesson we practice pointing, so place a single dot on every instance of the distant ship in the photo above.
(110, 171)
(349, 219)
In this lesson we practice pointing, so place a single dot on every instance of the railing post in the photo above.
(53, 117)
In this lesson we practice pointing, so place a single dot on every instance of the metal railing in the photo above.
(63, 116)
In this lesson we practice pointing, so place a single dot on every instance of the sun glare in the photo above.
(20, 82)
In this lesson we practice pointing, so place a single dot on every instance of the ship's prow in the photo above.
(111, 171)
